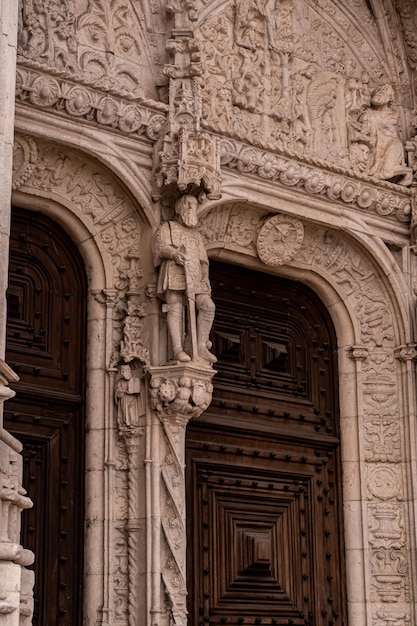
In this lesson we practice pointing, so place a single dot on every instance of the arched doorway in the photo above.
(46, 336)
(264, 518)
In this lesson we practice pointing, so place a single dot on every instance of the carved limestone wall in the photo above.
(102, 218)
(16, 582)
(287, 76)
(97, 42)
(377, 477)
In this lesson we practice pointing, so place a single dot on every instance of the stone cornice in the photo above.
(133, 117)
(142, 119)
(318, 178)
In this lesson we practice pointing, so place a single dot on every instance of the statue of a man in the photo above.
(183, 279)
(128, 398)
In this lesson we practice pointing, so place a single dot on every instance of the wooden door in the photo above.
(265, 534)
(46, 347)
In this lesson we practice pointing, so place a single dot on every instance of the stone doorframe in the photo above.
(135, 531)
(367, 298)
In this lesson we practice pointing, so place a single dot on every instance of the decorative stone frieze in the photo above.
(178, 392)
(138, 118)
(95, 42)
(318, 178)
(288, 78)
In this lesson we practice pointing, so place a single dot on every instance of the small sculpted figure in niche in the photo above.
(377, 128)
(130, 407)
(183, 280)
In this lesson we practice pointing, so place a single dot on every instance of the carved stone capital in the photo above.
(358, 353)
(183, 10)
(109, 297)
(180, 392)
(406, 352)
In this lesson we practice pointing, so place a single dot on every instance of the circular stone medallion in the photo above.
(279, 239)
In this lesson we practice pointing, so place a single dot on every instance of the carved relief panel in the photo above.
(97, 42)
(287, 76)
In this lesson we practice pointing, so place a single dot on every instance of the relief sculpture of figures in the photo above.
(183, 280)
(377, 133)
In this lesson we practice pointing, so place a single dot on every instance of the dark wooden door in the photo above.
(46, 347)
(265, 535)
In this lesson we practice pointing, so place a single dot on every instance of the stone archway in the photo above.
(369, 316)
(46, 346)
(97, 212)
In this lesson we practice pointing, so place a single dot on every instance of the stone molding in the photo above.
(317, 178)
(136, 117)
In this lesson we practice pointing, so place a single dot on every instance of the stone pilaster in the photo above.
(16, 582)
(178, 393)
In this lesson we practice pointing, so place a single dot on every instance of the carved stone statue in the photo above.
(183, 279)
(130, 406)
(377, 129)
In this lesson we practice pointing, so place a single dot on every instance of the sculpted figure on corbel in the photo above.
(375, 145)
(183, 282)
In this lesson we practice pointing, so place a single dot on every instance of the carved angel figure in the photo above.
(183, 277)
(377, 128)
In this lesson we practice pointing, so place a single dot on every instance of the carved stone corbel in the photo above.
(406, 352)
(358, 353)
(178, 392)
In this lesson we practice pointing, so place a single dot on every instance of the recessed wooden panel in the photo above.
(46, 346)
(265, 531)
(276, 349)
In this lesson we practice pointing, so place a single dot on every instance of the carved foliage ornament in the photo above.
(96, 40)
(91, 190)
(140, 119)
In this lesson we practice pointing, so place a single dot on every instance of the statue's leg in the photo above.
(174, 308)
(205, 318)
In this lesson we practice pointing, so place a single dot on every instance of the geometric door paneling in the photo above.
(46, 333)
(264, 507)
(263, 524)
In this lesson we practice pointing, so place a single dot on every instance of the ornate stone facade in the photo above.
(293, 124)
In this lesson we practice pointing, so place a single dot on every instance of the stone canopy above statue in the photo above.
(287, 76)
